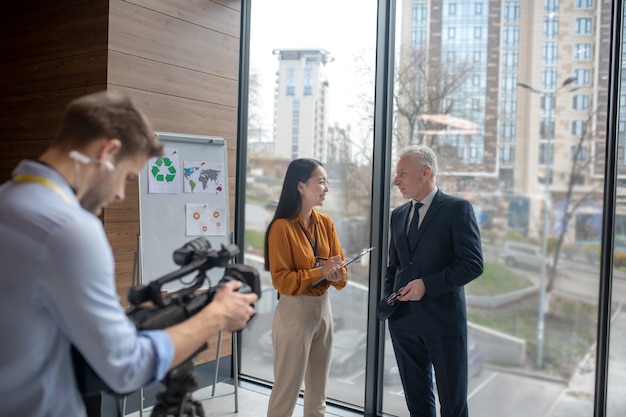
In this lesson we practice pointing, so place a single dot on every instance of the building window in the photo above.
(549, 53)
(452, 9)
(418, 37)
(508, 107)
(551, 6)
(511, 12)
(511, 36)
(290, 79)
(579, 128)
(507, 132)
(510, 59)
(578, 154)
(550, 27)
(451, 33)
(478, 9)
(583, 26)
(582, 52)
(580, 102)
(308, 80)
(545, 153)
(419, 14)
(509, 83)
(507, 154)
(546, 128)
(584, 4)
(548, 78)
(583, 76)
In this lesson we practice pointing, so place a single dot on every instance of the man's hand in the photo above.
(228, 310)
(413, 291)
(235, 308)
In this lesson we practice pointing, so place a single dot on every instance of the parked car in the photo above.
(348, 354)
(525, 255)
(272, 205)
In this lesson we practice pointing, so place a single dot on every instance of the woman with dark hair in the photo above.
(304, 256)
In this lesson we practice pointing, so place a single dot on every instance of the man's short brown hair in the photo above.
(108, 115)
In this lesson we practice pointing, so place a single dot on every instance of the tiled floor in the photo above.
(251, 402)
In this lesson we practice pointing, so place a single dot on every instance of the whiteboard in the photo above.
(182, 196)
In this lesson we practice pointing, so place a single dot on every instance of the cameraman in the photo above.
(57, 285)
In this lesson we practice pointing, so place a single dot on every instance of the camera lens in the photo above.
(185, 254)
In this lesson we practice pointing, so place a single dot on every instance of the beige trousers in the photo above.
(302, 333)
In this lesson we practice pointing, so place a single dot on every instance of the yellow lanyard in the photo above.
(44, 181)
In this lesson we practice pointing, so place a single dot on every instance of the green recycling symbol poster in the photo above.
(163, 172)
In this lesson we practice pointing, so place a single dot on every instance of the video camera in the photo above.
(173, 308)
(153, 308)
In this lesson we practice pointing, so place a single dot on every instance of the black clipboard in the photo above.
(346, 263)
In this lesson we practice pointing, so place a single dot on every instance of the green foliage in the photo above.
(592, 251)
(254, 241)
(490, 235)
(519, 237)
(620, 259)
(551, 244)
(497, 279)
(570, 325)
(515, 235)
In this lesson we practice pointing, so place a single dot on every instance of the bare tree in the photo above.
(424, 89)
(255, 122)
(581, 162)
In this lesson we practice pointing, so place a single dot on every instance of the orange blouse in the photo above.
(292, 259)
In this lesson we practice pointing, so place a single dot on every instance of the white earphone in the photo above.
(84, 159)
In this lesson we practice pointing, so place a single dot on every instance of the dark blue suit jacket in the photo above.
(448, 255)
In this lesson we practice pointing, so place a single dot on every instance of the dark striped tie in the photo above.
(412, 233)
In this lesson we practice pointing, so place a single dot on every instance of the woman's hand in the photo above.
(332, 270)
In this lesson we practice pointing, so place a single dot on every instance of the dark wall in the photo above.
(178, 59)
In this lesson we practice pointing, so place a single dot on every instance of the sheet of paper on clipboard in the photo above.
(346, 263)
(359, 256)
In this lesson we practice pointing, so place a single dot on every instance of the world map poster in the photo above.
(203, 177)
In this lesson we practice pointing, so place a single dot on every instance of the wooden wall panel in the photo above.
(124, 211)
(36, 115)
(52, 52)
(123, 239)
(134, 72)
(47, 31)
(57, 74)
(181, 115)
(218, 16)
(139, 31)
(179, 61)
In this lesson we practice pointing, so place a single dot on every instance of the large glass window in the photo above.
(530, 159)
(312, 97)
(532, 315)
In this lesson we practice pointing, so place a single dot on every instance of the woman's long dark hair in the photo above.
(290, 201)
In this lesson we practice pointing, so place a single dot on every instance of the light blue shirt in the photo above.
(57, 289)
